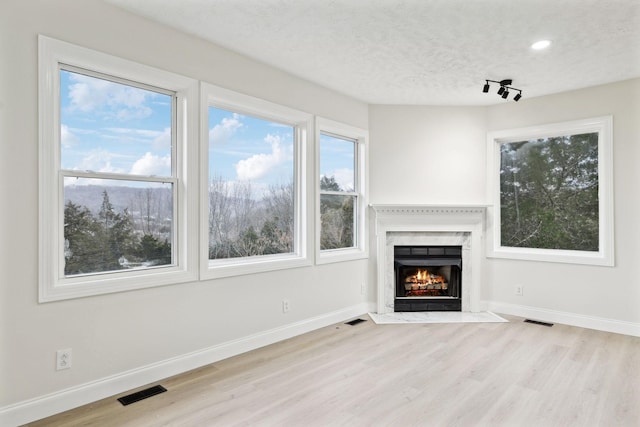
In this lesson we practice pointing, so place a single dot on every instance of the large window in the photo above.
(251, 188)
(113, 192)
(116, 163)
(341, 184)
(553, 192)
(254, 184)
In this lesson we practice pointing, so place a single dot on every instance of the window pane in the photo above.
(112, 225)
(251, 187)
(337, 164)
(549, 193)
(337, 216)
(113, 127)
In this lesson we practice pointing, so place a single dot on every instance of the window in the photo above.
(341, 204)
(113, 197)
(553, 192)
(254, 184)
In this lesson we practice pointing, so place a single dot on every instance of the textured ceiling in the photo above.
(430, 52)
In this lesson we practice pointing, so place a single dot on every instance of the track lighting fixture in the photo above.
(503, 90)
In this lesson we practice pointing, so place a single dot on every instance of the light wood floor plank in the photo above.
(474, 374)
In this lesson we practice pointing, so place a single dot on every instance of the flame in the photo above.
(424, 277)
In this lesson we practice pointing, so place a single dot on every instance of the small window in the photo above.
(553, 196)
(341, 215)
(338, 193)
(254, 184)
(113, 196)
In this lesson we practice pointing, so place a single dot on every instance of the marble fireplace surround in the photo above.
(459, 225)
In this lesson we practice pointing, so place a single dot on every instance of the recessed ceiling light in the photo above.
(542, 44)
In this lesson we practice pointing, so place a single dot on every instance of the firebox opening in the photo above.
(428, 278)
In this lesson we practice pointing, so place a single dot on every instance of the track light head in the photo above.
(503, 90)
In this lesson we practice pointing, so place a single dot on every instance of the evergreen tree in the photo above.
(81, 234)
(153, 251)
(116, 235)
(549, 193)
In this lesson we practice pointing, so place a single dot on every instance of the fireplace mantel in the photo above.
(430, 224)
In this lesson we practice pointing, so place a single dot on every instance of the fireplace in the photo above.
(440, 227)
(428, 278)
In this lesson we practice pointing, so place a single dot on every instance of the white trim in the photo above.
(52, 283)
(44, 406)
(566, 318)
(361, 138)
(605, 256)
(211, 95)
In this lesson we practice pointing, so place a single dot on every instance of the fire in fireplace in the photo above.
(428, 278)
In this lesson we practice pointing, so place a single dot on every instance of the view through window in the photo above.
(338, 192)
(116, 163)
(251, 186)
(549, 193)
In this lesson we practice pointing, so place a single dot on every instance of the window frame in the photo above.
(605, 255)
(53, 285)
(218, 97)
(360, 138)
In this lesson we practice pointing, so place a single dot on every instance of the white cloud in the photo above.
(89, 94)
(344, 177)
(150, 164)
(259, 165)
(67, 137)
(220, 133)
(99, 161)
(158, 139)
(163, 139)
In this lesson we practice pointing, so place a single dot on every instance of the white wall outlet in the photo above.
(519, 290)
(63, 359)
(286, 306)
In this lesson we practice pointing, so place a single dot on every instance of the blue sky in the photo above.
(244, 148)
(112, 127)
(337, 157)
(248, 149)
(118, 128)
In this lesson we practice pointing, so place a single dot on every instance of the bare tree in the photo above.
(243, 207)
(219, 211)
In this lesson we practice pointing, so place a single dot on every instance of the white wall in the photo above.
(115, 334)
(436, 155)
(427, 155)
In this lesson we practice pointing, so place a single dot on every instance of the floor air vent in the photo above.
(537, 322)
(354, 322)
(141, 395)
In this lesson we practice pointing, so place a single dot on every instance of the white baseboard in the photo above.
(54, 403)
(566, 318)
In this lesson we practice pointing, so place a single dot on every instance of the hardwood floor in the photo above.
(472, 374)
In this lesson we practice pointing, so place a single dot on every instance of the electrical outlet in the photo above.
(286, 306)
(519, 290)
(63, 359)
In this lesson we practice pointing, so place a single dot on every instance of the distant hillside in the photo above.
(120, 197)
